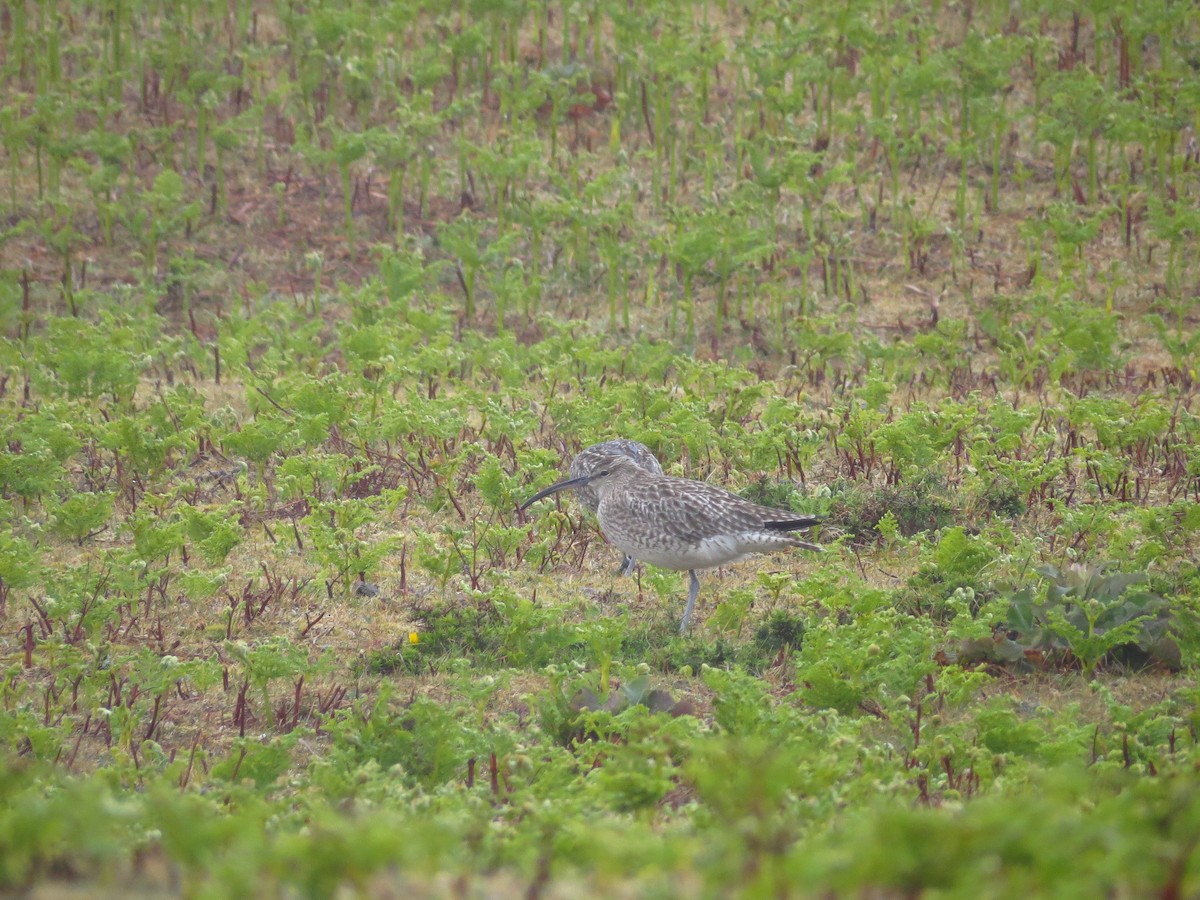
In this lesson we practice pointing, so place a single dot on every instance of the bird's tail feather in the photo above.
(793, 524)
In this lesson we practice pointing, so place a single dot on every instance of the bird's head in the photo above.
(612, 471)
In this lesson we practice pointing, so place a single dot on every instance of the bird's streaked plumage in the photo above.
(677, 523)
(592, 459)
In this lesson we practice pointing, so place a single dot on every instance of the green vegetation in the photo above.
(298, 303)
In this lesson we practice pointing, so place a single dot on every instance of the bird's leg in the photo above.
(627, 564)
(693, 592)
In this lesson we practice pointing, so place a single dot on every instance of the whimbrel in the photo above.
(681, 524)
(591, 459)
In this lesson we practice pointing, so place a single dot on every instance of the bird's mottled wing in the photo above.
(675, 521)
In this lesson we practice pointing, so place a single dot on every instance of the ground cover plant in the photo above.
(299, 302)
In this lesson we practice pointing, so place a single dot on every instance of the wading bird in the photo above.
(680, 524)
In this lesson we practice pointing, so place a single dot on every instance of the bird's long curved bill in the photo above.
(555, 488)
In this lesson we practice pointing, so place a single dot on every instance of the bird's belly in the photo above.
(681, 555)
